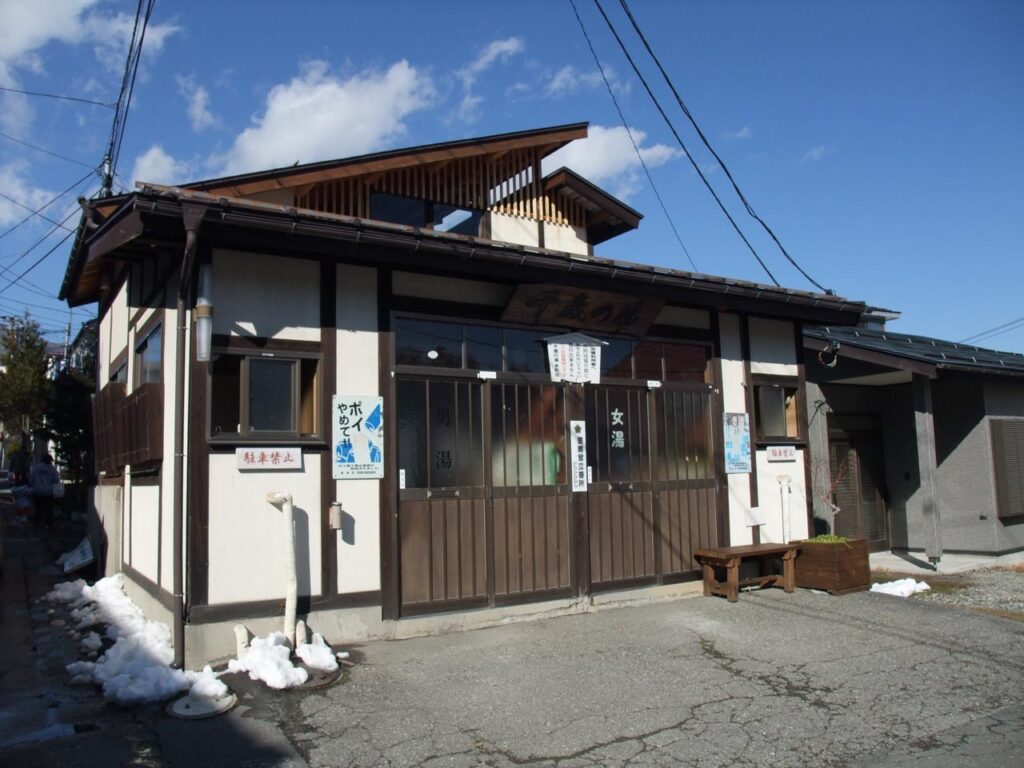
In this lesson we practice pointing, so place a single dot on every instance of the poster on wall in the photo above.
(575, 357)
(358, 437)
(737, 442)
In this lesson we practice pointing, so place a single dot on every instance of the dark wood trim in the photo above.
(260, 344)
(774, 378)
(748, 389)
(198, 473)
(146, 477)
(255, 609)
(116, 363)
(871, 356)
(151, 588)
(439, 309)
(444, 606)
(576, 409)
(328, 383)
(680, 333)
(525, 598)
(110, 480)
(718, 444)
(389, 543)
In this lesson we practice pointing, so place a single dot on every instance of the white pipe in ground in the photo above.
(284, 501)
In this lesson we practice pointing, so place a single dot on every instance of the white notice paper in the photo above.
(578, 455)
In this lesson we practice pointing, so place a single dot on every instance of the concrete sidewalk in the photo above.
(916, 562)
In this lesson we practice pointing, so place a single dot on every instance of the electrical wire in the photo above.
(1012, 325)
(682, 144)
(59, 96)
(20, 204)
(35, 264)
(629, 133)
(721, 162)
(42, 208)
(45, 151)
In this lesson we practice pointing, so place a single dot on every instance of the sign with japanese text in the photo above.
(618, 428)
(357, 437)
(578, 455)
(271, 458)
(580, 308)
(574, 357)
(781, 453)
(737, 442)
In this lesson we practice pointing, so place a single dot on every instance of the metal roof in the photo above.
(923, 349)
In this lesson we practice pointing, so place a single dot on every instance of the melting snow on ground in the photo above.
(269, 659)
(900, 588)
(136, 668)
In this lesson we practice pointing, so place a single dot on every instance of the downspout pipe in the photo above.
(192, 217)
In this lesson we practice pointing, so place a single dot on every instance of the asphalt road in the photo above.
(775, 679)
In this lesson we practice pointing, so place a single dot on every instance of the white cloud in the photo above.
(492, 53)
(569, 79)
(607, 158)
(156, 166)
(814, 154)
(742, 133)
(197, 99)
(28, 27)
(14, 184)
(318, 116)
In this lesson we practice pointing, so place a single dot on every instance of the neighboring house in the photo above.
(82, 353)
(924, 440)
(432, 278)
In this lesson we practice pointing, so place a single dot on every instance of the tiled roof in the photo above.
(942, 354)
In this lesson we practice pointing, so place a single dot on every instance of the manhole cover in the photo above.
(191, 707)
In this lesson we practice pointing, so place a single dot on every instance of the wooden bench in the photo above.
(730, 559)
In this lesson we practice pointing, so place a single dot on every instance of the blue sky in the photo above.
(881, 141)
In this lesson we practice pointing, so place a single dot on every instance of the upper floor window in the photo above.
(149, 357)
(415, 212)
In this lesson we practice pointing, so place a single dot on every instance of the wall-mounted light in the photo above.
(204, 315)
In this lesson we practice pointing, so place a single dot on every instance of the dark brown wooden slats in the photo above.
(684, 478)
(1008, 461)
(857, 471)
(620, 500)
(128, 428)
(531, 506)
(442, 510)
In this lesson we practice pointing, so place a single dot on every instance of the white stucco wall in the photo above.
(145, 527)
(358, 543)
(113, 332)
(772, 347)
(247, 555)
(771, 500)
(734, 401)
(566, 238)
(450, 289)
(266, 296)
(512, 229)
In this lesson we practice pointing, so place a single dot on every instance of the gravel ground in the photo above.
(998, 591)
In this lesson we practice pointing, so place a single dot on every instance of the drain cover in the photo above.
(191, 707)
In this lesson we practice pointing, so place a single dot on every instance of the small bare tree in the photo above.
(825, 483)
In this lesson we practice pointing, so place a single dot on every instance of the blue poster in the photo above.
(358, 444)
(737, 442)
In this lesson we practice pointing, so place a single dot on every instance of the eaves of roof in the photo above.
(448, 249)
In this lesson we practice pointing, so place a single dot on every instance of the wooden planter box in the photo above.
(835, 568)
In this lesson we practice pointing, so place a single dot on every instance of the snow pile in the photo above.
(900, 588)
(136, 669)
(268, 660)
(206, 685)
(318, 654)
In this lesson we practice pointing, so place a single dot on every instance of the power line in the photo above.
(632, 141)
(46, 151)
(35, 264)
(38, 211)
(59, 96)
(998, 330)
(20, 204)
(679, 139)
(711, 149)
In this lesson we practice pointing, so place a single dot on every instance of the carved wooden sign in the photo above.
(581, 308)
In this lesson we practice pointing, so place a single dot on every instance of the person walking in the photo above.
(20, 462)
(42, 478)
